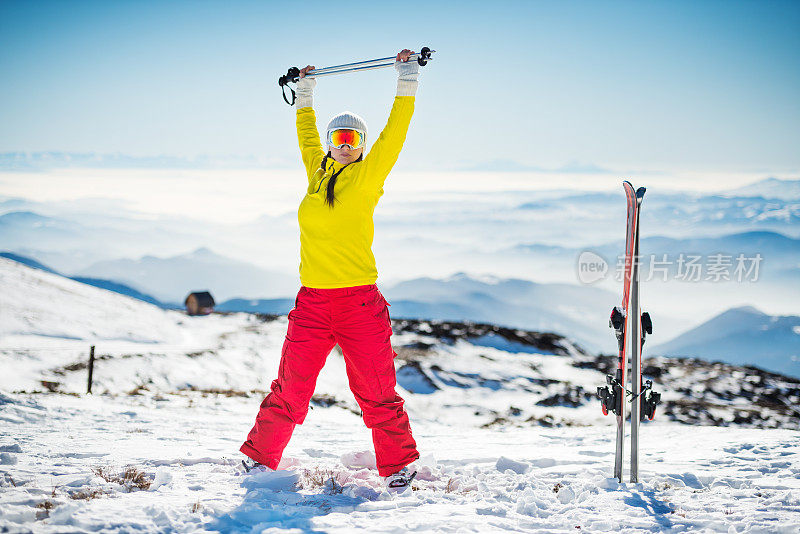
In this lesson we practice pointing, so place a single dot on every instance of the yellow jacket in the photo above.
(336, 243)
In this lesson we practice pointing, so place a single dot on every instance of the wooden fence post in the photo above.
(91, 369)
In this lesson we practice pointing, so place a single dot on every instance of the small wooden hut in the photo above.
(199, 303)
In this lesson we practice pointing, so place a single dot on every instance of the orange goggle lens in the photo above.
(345, 136)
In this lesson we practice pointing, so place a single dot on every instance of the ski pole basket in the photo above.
(293, 74)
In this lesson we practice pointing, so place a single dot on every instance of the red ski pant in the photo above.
(357, 318)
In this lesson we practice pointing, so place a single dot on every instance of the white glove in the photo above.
(407, 77)
(305, 92)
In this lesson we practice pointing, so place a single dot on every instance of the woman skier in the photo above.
(338, 302)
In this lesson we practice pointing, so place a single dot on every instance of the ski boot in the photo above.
(251, 467)
(399, 481)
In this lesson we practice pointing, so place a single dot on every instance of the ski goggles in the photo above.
(345, 136)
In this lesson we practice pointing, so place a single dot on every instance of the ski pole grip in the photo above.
(292, 75)
(424, 56)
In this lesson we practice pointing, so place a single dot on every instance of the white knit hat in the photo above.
(347, 119)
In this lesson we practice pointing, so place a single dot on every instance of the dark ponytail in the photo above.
(329, 196)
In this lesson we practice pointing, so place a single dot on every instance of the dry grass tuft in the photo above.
(497, 421)
(454, 485)
(328, 479)
(88, 494)
(205, 392)
(131, 478)
(138, 390)
(678, 512)
(44, 508)
(196, 507)
(51, 385)
(46, 505)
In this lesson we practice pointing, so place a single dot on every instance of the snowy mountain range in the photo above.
(742, 336)
(513, 235)
(683, 214)
(171, 279)
(572, 310)
(563, 308)
(486, 374)
(560, 308)
(110, 285)
(739, 336)
(768, 188)
(779, 253)
(779, 249)
(71, 249)
(495, 222)
(71, 242)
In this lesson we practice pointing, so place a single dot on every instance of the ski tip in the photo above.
(638, 193)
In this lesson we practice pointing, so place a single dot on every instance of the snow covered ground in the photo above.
(511, 437)
(470, 479)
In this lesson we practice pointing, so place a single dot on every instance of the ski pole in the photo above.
(422, 58)
(293, 74)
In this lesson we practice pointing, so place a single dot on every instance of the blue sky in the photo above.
(620, 85)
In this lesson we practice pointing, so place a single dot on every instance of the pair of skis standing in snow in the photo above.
(630, 327)
(339, 302)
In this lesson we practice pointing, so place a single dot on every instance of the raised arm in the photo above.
(307, 133)
(384, 153)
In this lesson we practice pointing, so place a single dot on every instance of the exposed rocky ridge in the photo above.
(694, 391)
(450, 331)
